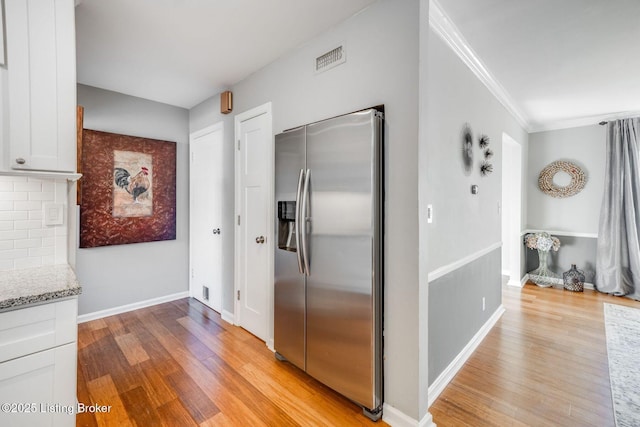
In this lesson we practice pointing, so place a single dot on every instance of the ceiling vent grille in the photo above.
(331, 59)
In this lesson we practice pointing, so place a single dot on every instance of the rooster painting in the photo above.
(136, 185)
(132, 184)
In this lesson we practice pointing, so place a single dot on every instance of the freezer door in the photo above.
(289, 282)
(343, 286)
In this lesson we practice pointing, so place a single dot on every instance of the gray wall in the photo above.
(112, 276)
(463, 224)
(455, 308)
(381, 68)
(584, 146)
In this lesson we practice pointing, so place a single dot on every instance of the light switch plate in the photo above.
(53, 214)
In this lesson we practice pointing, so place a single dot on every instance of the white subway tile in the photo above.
(13, 195)
(28, 262)
(27, 243)
(6, 186)
(6, 225)
(13, 215)
(60, 230)
(36, 215)
(6, 264)
(42, 252)
(13, 235)
(48, 186)
(27, 186)
(14, 254)
(51, 260)
(26, 225)
(42, 196)
(6, 244)
(13, 178)
(33, 205)
(48, 241)
(6, 205)
(41, 232)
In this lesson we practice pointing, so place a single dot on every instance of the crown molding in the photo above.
(582, 121)
(444, 27)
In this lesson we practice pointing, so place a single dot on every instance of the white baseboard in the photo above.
(270, 345)
(228, 317)
(524, 280)
(130, 307)
(396, 418)
(447, 375)
(516, 283)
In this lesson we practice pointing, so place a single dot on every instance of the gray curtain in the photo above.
(618, 261)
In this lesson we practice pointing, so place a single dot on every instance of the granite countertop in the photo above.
(37, 285)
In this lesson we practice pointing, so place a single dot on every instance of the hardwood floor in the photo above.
(543, 364)
(178, 364)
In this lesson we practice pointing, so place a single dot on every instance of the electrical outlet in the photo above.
(483, 304)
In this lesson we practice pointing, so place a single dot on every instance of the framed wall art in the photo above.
(128, 189)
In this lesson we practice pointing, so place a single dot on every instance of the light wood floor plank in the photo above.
(544, 363)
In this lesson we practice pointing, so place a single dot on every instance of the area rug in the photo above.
(622, 326)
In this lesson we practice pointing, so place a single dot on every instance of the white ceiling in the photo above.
(181, 52)
(563, 63)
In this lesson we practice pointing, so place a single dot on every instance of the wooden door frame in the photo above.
(239, 118)
(192, 136)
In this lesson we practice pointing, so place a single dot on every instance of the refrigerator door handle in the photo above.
(297, 219)
(303, 225)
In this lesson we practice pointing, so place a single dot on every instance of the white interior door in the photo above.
(254, 173)
(206, 233)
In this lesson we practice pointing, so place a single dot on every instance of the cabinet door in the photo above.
(42, 386)
(41, 83)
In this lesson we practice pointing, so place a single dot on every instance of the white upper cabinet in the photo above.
(41, 86)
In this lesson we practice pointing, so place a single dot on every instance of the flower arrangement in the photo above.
(542, 241)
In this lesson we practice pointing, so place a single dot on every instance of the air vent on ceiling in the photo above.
(331, 59)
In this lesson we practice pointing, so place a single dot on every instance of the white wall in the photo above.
(463, 223)
(584, 146)
(113, 276)
(381, 68)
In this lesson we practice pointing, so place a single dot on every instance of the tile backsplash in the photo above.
(25, 240)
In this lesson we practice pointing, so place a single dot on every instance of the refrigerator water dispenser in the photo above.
(287, 225)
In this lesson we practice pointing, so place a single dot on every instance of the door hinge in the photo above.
(192, 274)
(238, 219)
(238, 145)
(238, 294)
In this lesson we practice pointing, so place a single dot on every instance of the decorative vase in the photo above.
(542, 276)
(573, 279)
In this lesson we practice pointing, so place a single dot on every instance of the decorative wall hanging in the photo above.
(128, 191)
(483, 141)
(486, 168)
(546, 184)
(467, 147)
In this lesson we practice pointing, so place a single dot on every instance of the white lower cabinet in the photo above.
(38, 350)
(39, 389)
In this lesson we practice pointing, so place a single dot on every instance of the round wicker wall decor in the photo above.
(578, 179)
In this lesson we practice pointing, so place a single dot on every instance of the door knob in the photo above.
(216, 231)
(260, 239)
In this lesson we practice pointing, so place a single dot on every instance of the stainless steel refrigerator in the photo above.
(328, 256)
